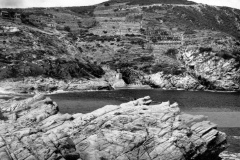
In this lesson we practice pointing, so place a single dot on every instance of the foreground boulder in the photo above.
(35, 130)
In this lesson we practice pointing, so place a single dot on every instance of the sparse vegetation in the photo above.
(112, 35)
(224, 54)
(106, 4)
(148, 2)
(167, 69)
(83, 10)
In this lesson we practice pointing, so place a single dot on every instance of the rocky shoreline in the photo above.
(36, 85)
(34, 129)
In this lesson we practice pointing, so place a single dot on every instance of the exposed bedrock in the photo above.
(137, 130)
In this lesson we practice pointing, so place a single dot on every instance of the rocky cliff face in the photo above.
(212, 71)
(206, 70)
(34, 129)
(161, 80)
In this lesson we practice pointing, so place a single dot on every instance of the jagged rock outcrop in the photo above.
(174, 82)
(212, 70)
(35, 129)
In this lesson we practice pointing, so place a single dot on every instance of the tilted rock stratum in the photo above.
(34, 129)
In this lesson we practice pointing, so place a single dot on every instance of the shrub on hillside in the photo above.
(106, 4)
(148, 2)
(67, 28)
(236, 52)
(72, 36)
(85, 10)
(205, 49)
(146, 58)
(224, 54)
(166, 69)
(172, 52)
(189, 31)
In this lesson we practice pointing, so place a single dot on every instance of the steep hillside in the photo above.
(141, 39)
(29, 51)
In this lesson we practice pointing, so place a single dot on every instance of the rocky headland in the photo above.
(34, 129)
(204, 71)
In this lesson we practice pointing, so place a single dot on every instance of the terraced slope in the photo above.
(138, 38)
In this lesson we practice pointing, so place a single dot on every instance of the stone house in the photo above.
(17, 16)
(5, 14)
(51, 25)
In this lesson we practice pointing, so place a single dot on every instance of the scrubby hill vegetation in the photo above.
(150, 2)
(137, 37)
(30, 52)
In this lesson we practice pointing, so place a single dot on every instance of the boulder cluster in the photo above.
(34, 129)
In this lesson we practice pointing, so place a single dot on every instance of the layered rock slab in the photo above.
(35, 130)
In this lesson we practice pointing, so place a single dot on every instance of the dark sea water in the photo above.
(84, 102)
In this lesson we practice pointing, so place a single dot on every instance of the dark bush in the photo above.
(236, 52)
(146, 59)
(224, 55)
(72, 36)
(203, 49)
(67, 28)
(189, 31)
(172, 53)
(85, 10)
(106, 4)
(154, 40)
(130, 35)
(167, 69)
(142, 31)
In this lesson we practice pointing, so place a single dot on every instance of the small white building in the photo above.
(51, 25)
(10, 29)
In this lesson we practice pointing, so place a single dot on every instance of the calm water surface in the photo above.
(84, 102)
